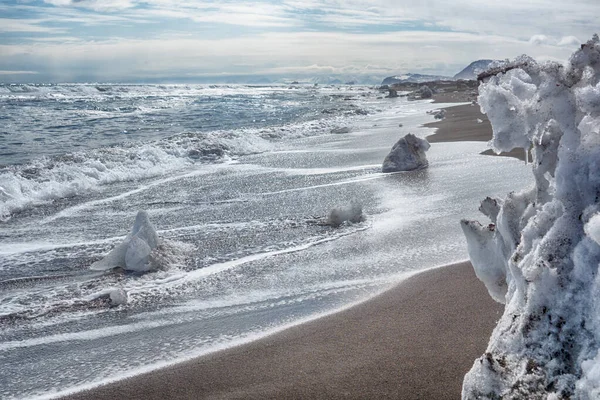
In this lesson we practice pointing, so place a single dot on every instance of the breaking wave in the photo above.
(50, 178)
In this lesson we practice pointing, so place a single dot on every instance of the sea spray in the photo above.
(541, 253)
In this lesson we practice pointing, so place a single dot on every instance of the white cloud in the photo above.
(276, 53)
(26, 25)
(211, 37)
(96, 5)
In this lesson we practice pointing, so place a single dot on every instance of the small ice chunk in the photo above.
(352, 213)
(343, 129)
(134, 253)
(407, 154)
(117, 297)
(112, 297)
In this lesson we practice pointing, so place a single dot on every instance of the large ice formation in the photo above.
(407, 154)
(134, 253)
(540, 255)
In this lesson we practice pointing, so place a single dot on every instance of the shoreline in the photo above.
(376, 349)
(467, 123)
(399, 344)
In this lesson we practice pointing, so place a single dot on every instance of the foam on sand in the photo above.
(541, 253)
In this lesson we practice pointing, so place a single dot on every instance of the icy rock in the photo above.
(352, 213)
(407, 154)
(541, 254)
(425, 92)
(134, 253)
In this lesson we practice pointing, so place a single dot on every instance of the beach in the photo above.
(467, 123)
(415, 341)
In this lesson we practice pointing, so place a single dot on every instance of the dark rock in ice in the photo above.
(407, 154)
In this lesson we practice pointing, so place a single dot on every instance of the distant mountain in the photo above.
(471, 71)
(414, 78)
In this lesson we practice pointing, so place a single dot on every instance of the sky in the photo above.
(186, 40)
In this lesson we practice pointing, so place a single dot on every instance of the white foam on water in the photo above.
(46, 179)
(219, 345)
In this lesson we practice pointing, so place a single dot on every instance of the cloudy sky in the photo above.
(137, 40)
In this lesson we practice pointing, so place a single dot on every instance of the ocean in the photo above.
(237, 180)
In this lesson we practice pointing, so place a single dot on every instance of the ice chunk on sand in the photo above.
(352, 213)
(111, 297)
(134, 253)
(407, 154)
(343, 129)
(541, 255)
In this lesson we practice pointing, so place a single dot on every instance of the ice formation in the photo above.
(407, 154)
(135, 252)
(352, 213)
(540, 255)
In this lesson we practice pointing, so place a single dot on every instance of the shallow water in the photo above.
(247, 253)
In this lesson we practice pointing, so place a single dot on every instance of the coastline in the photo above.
(466, 123)
(382, 348)
(416, 340)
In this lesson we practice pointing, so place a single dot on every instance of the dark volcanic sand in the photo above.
(461, 124)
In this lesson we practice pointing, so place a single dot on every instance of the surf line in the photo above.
(339, 183)
(72, 210)
(227, 265)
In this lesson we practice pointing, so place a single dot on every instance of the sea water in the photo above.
(238, 181)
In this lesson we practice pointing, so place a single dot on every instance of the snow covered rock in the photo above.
(540, 254)
(407, 154)
(135, 252)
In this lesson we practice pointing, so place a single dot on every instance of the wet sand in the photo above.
(415, 341)
(467, 123)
